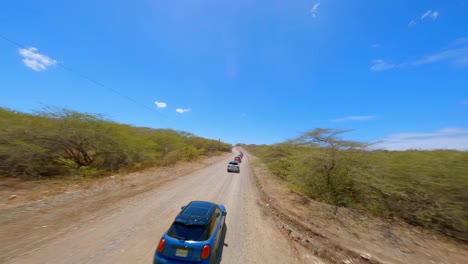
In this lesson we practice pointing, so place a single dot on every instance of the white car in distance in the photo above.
(233, 166)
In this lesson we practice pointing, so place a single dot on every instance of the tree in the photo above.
(330, 160)
(63, 142)
(75, 136)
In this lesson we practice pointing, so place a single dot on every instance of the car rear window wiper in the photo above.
(179, 237)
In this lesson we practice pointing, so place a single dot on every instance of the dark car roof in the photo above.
(234, 162)
(196, 213)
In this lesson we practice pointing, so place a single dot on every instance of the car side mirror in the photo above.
(183, 207)
(224, 213)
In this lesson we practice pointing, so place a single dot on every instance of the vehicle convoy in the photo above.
(233, 166)
(195, 236)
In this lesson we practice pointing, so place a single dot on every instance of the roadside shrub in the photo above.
(424, 188)
(58, 143)
(173, 157)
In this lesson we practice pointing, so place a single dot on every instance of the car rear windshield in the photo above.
(188, 232)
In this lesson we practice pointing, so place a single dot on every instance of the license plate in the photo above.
(181, 252)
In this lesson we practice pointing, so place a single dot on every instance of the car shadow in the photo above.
(219, 254)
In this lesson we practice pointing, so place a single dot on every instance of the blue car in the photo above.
(195, 236)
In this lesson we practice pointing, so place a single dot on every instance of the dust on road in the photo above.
(124, 223)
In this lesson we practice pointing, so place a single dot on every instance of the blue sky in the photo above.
(247, 71)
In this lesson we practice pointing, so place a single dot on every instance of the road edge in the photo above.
(315, 243)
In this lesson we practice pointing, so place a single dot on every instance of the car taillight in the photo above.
(161, 244)
(205, 253)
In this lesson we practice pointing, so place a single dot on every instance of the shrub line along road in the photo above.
(127, 230)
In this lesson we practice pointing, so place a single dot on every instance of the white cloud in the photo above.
(457, 57)
(446, 138)
(35, 60)
(426, 14)
(160, 104)
(354, 118)
(183, 110)
(412, 23)
(430, 14)
(381, 65)
(314, 9)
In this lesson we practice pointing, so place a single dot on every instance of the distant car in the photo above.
(195, 236)
(233, 166)
(238, 159)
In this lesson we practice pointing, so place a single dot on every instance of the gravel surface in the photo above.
(121, 218)
(122, 221)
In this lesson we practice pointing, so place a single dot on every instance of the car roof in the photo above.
(196, 213)
(233, 162)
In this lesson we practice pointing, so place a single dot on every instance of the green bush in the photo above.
(424, 188)
(65, 142)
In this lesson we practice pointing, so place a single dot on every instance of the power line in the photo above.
(61, 65)
(103, 86)
(11, 41)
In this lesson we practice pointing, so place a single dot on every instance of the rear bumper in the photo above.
(162, 260)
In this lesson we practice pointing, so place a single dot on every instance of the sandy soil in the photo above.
(120, 220)
(349, 236)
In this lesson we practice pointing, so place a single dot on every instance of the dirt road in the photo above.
(126, 229)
